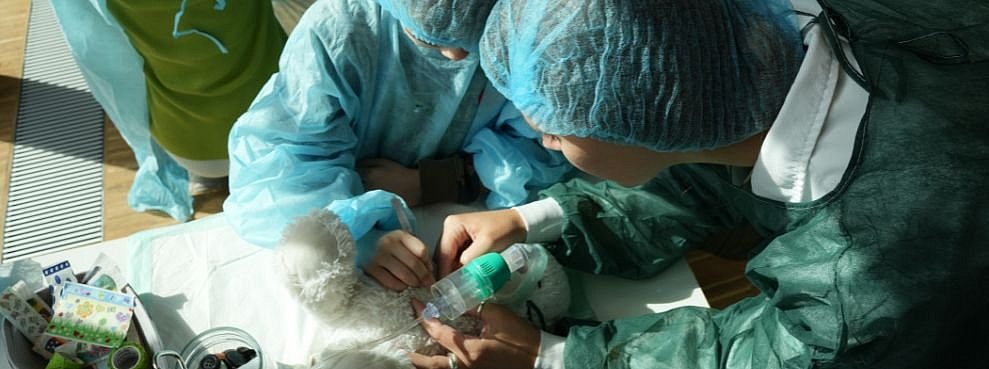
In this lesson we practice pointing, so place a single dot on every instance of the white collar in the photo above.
(808, 148)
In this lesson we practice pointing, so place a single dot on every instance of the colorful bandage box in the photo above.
(22, 352)
(58, 274)
(21, 313)
(93, 315)
(105, 274)
(21, 289)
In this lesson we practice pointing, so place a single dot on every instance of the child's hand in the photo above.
(401, 261)
(469, 235)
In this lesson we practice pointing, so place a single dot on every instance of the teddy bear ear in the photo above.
(315, 250)
(334, 227)
(321, 227)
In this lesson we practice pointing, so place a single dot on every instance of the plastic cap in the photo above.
(491, 270)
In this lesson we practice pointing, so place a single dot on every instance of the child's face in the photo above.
(452, 53)
(625, 164)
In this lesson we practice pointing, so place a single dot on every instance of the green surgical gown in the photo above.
(887, 271)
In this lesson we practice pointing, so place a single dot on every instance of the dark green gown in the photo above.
(887, 271)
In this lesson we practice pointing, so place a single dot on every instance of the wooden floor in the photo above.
(721, 279)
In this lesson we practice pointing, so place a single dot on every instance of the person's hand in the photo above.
(477, 234)
(401, 261)
(506, 341)
(384, 174)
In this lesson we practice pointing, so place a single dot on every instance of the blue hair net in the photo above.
(669, 75)
(455, 23)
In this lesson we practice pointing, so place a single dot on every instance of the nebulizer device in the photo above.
(475, 283)
(471, 285)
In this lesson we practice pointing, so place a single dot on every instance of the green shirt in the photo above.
(195, 92)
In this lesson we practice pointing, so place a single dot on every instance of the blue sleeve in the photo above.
(293, 150)
(511, 161)
(114, 73)
(370, 216)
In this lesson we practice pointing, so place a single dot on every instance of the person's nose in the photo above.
(454, 53)
(550, 143)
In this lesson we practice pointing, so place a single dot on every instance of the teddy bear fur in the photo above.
(316, 260)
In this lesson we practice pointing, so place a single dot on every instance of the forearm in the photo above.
(551, 349)
(654, 225)
(543, 220)
(259, 208)
(513, 166)
(282, 167)
(750, 335)
(450, 179)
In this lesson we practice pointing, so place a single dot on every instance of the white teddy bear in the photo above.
(316, 259)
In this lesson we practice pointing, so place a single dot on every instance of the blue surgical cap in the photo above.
(669, 75)
(448, 23)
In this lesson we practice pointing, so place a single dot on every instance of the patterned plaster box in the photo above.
(16, 350)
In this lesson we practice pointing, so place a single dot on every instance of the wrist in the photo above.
(415, 193)
(450, 179)
(520, 232)
(550, 354)
(542, 220)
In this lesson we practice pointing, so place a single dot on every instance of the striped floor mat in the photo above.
(56, 178)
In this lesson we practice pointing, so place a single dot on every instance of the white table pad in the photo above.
(199, 275)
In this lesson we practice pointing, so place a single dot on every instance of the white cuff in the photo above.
(543, 220)
(550, 351)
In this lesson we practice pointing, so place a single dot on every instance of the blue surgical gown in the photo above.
(156, 87)
(352, 86)
(114, 72)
